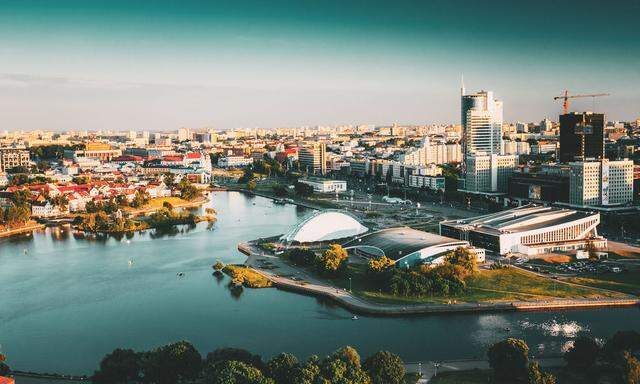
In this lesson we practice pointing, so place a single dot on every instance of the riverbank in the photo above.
(31, 226)
(294, 279)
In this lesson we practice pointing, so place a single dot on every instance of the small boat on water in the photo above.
(180, 274)
(354, 317)
(279, 202)
(130, 262)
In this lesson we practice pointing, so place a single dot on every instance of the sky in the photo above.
(160, 65)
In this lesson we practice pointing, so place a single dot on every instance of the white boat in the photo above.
(354, 317)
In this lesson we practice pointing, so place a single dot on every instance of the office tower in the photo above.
(489, 173)
(481, 123)
(313, 158)
(581, 136)
(603, 182)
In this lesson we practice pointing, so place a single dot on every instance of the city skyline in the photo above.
(143, 66)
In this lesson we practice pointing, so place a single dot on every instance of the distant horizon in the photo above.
(125, 65)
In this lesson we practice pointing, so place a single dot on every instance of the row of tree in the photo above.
(588, 361)
(332, 262)
(447, 278)
(180, 362)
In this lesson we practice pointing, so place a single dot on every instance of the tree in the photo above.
(140, 199)
(169, 179)
(280, 190)
(235, 372)
(464, 258)
(334, 259)
(282, 368)
(343, 367)
(385, 368)
(629, 369)
(236, 354)
(536, 376)
(303, 190)
(251, 184)
(509, 359)
(623, 341)
(120, 366)
(380, 264)
(167, 205)
(172, 363)
(187, 190)
(583, 354)
(301, 256)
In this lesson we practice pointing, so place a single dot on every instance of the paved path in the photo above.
(428, 369)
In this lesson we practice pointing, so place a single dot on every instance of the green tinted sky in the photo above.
(163, 64)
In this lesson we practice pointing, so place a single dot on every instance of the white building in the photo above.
(432, 152)
(481, 123)
(601, 183)
(489, 173)
(325, 185)
(530, 230)
(234, 161)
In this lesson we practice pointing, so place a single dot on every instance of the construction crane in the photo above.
(566, 97)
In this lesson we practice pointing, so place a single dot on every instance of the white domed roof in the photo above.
(325, 226)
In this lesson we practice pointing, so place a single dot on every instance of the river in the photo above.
(65, 301)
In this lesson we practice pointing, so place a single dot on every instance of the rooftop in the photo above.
(401, 241)
(521, 219)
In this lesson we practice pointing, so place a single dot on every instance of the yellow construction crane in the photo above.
(566, 97)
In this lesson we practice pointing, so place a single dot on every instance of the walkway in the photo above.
(428, 369)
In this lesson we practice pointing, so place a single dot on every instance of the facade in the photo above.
(601, 183)
(11, 158)
(530, 230)
(539, 186)
(313, 158)
(323, 226)
(581, 136)
(489, 173)
(325, 185)
(435, 183)
(234, 161)
(432, 152)
(481, 123)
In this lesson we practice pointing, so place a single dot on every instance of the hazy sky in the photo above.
(224, 64)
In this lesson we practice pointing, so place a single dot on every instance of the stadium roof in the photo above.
(326, 225)
(399, 242)
(521, 219)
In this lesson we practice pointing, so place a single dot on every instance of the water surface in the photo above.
(65, 301)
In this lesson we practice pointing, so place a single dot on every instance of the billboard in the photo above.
(535, 192)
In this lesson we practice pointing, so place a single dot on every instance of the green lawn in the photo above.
(628, 281)
(488, 286)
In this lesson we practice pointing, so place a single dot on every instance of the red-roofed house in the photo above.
(7, 380)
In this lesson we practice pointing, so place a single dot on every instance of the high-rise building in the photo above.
(313, 158)
(481, 123)
(581, 136)
(489, 173)
(595, 183)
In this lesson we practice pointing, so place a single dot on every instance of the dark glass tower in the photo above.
(581, 136)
